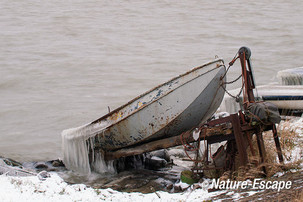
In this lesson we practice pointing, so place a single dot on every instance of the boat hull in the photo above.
(167, 110)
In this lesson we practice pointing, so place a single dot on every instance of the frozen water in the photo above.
(76, 144)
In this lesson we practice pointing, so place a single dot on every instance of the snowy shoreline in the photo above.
(54, 188)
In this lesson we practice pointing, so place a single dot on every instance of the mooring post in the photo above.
(239, 139)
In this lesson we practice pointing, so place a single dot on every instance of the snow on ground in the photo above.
(55, 189)
(294, 125)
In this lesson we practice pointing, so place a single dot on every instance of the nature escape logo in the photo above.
(258, 184)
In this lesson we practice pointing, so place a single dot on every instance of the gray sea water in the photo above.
(62, 63)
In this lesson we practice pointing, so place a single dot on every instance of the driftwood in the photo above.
(165, 143)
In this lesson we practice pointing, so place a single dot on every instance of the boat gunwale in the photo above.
(153, 89)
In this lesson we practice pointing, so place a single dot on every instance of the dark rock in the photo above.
(54, 165)
(57, 163)
(170, 186)
(11, 162)
(180, 188)
(43, 175)
(162, 153)
(40, 165)
(155, 163)
(129, 163)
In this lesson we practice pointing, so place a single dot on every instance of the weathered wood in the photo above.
(148, 147)
(165, 143)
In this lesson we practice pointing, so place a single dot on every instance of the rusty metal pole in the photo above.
(249, 85)
(277, 142)
(261, 147)
(206, 156)
(239, 139)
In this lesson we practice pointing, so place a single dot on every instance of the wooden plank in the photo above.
(165, 143)
(151, 146)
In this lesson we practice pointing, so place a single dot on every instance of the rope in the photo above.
(188, 147)
(231, 64)
(230, 82)
(251, 115)
(235, 97)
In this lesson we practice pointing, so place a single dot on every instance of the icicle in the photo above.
(76, 149)
(291, 76)
(99, 165)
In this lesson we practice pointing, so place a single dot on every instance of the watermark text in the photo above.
(258, 184)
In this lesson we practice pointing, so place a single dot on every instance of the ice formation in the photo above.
(291, 76)
(77, 143)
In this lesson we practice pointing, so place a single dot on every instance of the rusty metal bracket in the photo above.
(241, 134)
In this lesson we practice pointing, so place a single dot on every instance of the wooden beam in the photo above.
(165, 143)
(150, 146)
